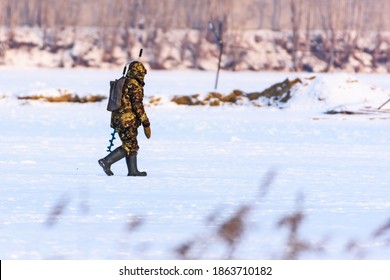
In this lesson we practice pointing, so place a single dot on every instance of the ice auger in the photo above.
(111, 141)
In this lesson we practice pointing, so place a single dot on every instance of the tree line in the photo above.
(330, 30)
(359, 15)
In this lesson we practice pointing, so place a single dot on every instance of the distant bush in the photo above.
(64, 96)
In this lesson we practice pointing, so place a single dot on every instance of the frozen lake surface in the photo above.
(203, 164)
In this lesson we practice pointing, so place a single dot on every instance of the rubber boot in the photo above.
(132, 166)
(111, 158)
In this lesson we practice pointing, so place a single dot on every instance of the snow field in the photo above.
(56, 202)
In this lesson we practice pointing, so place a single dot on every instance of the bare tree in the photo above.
(276, 12)
(123, 23)
(262, 8)
(296, 18)
(378, 40)
(272, 14)
(330, 16)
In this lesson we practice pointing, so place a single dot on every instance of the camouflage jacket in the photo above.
(132, 111)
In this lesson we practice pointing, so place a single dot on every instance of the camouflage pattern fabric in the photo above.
(131, 114)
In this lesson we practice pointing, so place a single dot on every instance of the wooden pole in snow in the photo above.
(220, 44)
(384, 104)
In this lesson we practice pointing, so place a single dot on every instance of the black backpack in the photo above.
(116, 88)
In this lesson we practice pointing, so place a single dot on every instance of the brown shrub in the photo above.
(64, 97)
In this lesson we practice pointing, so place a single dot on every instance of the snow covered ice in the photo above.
(57, 203)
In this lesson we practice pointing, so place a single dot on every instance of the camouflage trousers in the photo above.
(128, 137)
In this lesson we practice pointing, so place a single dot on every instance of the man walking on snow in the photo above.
(126, 120)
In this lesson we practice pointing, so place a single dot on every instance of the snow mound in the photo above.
(335, 93)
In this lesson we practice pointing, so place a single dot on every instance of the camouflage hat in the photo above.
(137, 70)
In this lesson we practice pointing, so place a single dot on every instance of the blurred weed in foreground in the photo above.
(296, 245)
(222, 236)
(230, 231)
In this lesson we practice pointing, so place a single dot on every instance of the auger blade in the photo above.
(111, 141)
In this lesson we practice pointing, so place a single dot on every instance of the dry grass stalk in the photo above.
(230, 231)
(57, 211)
(133, 223)
(382, 230)
(296, 245)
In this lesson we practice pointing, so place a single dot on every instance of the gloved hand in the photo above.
(148, 132)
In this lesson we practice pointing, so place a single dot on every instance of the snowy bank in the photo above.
(335, 93)
(321, 93)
